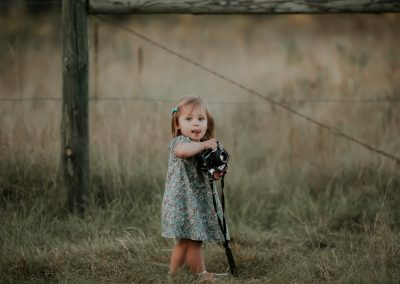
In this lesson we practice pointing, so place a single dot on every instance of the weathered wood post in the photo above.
(75, 122)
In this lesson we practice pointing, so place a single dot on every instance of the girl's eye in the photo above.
(201, 118)
(188, 118)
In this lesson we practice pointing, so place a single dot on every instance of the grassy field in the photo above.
(302, 205)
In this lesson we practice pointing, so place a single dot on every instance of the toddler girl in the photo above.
(188, 213)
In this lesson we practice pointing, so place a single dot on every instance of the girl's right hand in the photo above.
(210, 144)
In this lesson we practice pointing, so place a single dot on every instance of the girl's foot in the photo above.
(210, 277)
(206, 276)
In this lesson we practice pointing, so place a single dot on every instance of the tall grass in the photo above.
(302, 205)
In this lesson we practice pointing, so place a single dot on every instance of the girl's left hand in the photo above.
(218, 175)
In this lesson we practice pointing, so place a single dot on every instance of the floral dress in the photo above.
(187, 207)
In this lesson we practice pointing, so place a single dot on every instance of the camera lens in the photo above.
(223, 157)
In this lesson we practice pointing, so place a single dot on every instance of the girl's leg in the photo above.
(178, 256)
(194, 257)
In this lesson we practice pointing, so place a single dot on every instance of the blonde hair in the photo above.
(194, 102)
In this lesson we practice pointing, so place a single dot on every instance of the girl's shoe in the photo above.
(206, 276)
(220, 275)
(210, 277)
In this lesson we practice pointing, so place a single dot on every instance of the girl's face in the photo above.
(192, 122)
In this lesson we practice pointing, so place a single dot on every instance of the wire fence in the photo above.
(156, 100)
(267, 99)
(333, 130)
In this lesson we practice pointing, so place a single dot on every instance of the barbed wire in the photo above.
(282, 104)
(290, 101)
(333, 130)
(294, 101)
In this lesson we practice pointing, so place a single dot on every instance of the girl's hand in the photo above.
(218, 175)
(186, 150)
(210, 144)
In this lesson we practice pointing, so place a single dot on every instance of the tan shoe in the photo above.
(206, 276)
(210, 277)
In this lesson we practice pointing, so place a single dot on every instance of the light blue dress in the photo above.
(187, 207)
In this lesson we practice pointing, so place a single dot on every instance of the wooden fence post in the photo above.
(75, 122)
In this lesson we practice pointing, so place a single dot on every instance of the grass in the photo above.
(302, 206)
(348, 233)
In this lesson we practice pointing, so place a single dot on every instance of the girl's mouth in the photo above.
(196, 131)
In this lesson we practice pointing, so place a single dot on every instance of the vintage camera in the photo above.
(212, 161)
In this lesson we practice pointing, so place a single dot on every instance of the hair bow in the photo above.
(174, 110)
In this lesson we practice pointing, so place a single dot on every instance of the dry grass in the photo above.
(303, 205)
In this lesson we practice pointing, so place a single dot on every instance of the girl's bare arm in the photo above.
(186, 150)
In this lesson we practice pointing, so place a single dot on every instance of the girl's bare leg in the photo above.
(194, 256)
(178, 256)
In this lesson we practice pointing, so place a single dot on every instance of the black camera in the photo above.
(212, 161)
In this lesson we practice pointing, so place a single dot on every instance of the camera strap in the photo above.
(222, 225)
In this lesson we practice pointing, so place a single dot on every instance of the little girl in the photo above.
(188, 213)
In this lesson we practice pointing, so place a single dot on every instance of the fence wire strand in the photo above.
(155, 100)
(282, 104)
(333, 130)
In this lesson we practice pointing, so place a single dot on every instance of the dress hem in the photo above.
(193, 239)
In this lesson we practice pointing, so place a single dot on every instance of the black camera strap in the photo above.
(222, 225)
